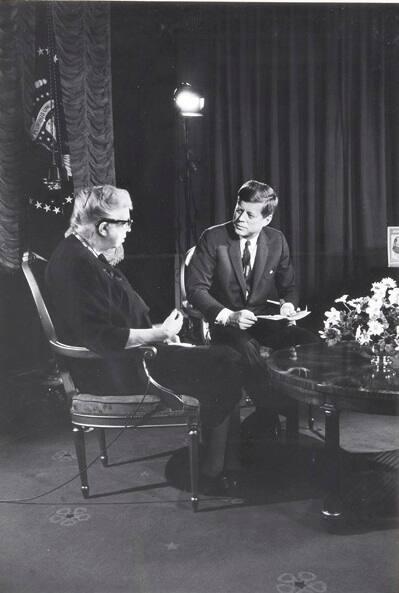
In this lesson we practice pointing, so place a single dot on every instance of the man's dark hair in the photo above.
(255, 191)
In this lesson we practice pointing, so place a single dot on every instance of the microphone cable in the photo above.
(59, 486)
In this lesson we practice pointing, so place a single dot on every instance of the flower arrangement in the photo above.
(373, 321)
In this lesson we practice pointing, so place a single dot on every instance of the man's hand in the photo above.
(243, 319)
(287, 309)
(172, 324)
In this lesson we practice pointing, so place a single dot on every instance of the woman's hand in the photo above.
(160, 332)
(174, 340)
(172, 324)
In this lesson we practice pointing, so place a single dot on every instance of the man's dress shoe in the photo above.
(233, 482)
(261, 424)
(211, 485)
(227, 483)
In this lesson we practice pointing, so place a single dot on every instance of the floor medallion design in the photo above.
(68, 517)
(303, 582)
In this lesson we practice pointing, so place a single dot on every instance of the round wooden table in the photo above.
(334, 378)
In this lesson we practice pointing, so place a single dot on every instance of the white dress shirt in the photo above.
(223, 316)
(253, 245)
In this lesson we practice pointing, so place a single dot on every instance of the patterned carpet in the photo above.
(137, 533)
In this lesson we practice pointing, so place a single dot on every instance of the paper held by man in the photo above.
(297, 315)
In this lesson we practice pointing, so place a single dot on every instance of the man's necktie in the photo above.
(246, 264)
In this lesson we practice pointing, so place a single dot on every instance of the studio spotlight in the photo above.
(188, 102)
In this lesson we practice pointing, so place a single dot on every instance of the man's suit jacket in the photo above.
(215, 278)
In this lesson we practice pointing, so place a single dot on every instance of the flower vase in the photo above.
(381, 366)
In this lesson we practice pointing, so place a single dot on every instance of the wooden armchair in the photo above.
(156, 406)
(198, 326)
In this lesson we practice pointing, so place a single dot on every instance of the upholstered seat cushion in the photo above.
(118, 410)
(114, 405)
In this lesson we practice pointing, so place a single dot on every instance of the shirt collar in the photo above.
(86, 244)
(252, 242)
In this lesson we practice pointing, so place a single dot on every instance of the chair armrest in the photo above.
(72, 351)
(169, 398)
(84, 353)
(191, 311)
(142, 354)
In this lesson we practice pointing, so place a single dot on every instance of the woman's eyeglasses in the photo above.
(128, 223)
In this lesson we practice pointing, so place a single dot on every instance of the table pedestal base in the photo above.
(332, 506)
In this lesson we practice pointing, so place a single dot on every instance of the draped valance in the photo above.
(82, 36)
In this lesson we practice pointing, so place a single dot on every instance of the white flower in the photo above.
(333, 316)
(334, 338)
(370, 320)
(362, 337)
(380, 287)
(393, 296)
(388, 282)
(385, 325)
(375, 328)
(357, 304)
(332, 335)
(374, 307)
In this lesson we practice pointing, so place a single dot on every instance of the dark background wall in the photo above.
(154, 48)
(143, 79)
(303, 97)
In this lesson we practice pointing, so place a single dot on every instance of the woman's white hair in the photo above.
(93, 203)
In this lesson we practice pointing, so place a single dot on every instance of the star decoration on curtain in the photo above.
(49, 206)
(172, 546)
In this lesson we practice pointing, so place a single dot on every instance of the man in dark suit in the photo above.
(236, 269)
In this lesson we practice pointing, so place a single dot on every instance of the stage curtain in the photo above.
(12, 133)
(306, 98)
(82, 31)
(84, 44)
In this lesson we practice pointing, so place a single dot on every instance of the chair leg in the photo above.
(79, 439)
(310, 417)
(194, 462)
(293, 422)
(103, 446)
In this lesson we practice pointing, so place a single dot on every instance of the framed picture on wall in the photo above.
(393, 246)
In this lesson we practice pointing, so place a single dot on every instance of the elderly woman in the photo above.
(94, 305)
